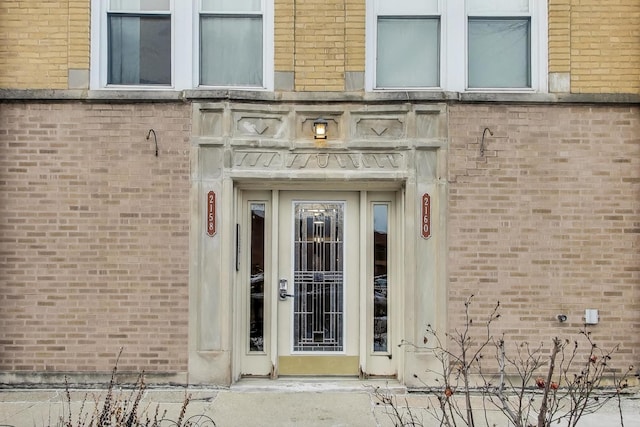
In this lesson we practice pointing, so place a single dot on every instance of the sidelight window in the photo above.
(256, 285)
(380, 276)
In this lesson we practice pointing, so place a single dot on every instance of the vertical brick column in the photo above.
(283, 36)
(559, 45)
(355, 34)
(319, 45)
(78, 49)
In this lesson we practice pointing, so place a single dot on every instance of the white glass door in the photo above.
(318, 288)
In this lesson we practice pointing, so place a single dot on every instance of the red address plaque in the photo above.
(211, 213)
(426, 216)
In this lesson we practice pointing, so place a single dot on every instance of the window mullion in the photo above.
(183, 44)
(454, 46)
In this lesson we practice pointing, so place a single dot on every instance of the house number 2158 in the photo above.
(211, 213)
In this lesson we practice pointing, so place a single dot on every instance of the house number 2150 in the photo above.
(211, 213)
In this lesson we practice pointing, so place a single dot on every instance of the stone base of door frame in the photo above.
(319, 365)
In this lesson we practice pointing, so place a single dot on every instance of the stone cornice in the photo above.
(134, 96)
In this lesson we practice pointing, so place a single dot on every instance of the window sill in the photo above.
(308, 97)
(152, 95)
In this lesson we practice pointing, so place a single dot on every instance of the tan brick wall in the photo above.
(40, 41)
(284, 11)
(94, 237)
(548, 221)
(319, 45)
(559, 36)
(79, 27)
(605, 46)
(355, 11)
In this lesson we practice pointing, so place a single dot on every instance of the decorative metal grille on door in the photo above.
(318, 277)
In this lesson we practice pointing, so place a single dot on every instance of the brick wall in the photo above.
(93, 236)
(604, 44)
(79, 19)
(284, 44)
(548, 221)
(355, 35)
(40, 41)
(319, 41)
(559, 36)
(319, 45)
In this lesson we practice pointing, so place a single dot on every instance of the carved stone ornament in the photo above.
(328, 160)
(265, 127)
(373, 127)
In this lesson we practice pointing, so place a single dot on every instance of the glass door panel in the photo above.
(318, 277)
(318, 308)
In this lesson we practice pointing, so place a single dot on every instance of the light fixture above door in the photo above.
(320, 129)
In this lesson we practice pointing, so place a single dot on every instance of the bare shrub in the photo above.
(530, 385)
(119, 408)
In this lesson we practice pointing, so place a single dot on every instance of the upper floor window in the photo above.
(407, 44)
(231, 43)
(499, 43)
(181, 44)
(139, 42)
(457, 45)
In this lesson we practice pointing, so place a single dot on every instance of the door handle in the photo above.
(284, 287)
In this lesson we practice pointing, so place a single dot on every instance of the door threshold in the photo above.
(318, 384)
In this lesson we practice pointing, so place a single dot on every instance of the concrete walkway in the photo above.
(264, 403)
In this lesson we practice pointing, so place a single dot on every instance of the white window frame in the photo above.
(267, 7)
(184, 49)
(371, 46)
(537, 16)
(454, 48)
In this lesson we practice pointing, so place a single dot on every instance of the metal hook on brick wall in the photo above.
(155, 138)
(482, 142)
